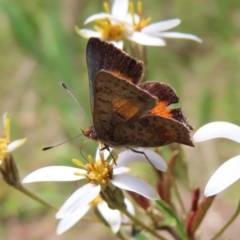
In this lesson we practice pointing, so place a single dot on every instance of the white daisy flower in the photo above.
(98, 174)
(227, 173)
(112, 217)
(110, 26)
(119, 25)
(153, 34)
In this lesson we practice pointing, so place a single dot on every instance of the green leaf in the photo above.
(169, 212)
(170, 221)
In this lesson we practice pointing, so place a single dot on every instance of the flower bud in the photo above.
(9, 170)
(113, 196)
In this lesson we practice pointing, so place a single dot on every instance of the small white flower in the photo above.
(98, 173)
(153, 34)
(227, 173)
(110, 26)
(119, 25)
(6, 146)
(112, 217)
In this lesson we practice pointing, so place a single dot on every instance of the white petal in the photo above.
(15, 144)
(5, 118)
(218, 130)
(129, 156)
(134, 184)
(105, 152)
(97, 16)
(120, 170)
(101, 16)
(112, 217)
(129, 18)
(87, 33)
(144, 39)
(68, 221)
(79, 198)
(161, 26)
(179, 35)
(226, 174)
(118, 44)
(120, 9)
(130, 207)
(54, 173)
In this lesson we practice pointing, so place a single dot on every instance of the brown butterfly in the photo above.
(126, 113)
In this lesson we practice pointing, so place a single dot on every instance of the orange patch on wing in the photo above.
(119, 74)
(125, 108)
(161, 110)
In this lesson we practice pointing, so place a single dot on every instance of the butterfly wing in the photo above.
(151, 131)
(103, 55)
(117, 101)
(160, 126)
(166, 96)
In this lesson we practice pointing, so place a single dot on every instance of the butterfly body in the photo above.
(126, 113)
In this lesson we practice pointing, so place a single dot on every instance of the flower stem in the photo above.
(228, 223)
(90, 219)
(36, 198)
(177, 193)
(33, 196)
(143, 225)
(145, 60)
(121, 235)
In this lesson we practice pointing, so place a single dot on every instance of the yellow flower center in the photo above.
(109, 30)
(5, 140)
(97, 171)
(3, 146)
(137, 26)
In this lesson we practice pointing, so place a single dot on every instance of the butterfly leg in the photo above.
(107, 147)
(136, 151)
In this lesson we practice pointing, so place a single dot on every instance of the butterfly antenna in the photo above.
(70, 93)
(47, 148)
(81, 150)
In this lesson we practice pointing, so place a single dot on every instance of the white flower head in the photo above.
(152, 34)
(117, 25)
(6, 145)
(110, 25)
(228, 172)
(112, 217)
(98, 173)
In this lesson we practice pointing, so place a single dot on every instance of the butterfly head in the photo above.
(90, 133)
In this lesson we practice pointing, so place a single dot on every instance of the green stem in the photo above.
(36, 198)
(228, 223)
(143, 225)
(33, 196)
(121, 235)
(89, 219)
(145, 60)
(177, 193)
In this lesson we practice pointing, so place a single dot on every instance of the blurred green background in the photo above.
(39, 49)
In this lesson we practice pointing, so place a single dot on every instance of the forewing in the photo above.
(103, 55)
(117, 101)
(151, 131)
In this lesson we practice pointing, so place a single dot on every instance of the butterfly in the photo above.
(127, 113)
